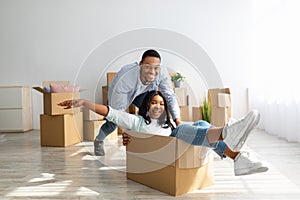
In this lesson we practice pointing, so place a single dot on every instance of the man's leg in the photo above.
(106, 129)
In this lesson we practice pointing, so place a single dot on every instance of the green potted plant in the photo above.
(177, 78)
(206, 111)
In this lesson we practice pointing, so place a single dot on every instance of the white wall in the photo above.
(53, 39)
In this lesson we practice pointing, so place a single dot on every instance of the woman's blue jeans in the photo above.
(196, 135)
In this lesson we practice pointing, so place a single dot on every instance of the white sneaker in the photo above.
(245, 165)
(235, 134)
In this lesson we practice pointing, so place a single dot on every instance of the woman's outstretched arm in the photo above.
(98, 108)
(121, 118)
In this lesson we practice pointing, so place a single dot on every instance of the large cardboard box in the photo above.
(91, 130)
(51, 100)
(168, 164)
(220, 103)
(61, 130)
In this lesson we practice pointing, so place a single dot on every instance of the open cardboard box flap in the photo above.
(47, 83)
(51, 100)
(40, 90)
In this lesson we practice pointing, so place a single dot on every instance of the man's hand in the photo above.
(126, 139)
(178, 121)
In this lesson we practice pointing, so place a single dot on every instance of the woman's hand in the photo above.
(126, 139)
(72, 103)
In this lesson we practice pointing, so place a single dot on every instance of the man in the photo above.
(131, 84)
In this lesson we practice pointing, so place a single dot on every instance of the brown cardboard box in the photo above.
(197, 114)
(220, 102)
(91, 115)
(104, 95)
(91, 130)
(52, 99)
(168, 164)
(184, 113)
(110, 76)
(219, 116)
(214, 93)
(61, 130)
(181, 96)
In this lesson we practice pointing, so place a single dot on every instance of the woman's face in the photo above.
(156, 107)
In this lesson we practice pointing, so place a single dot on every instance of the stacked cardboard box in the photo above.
(109, 77)
(220, 103)
(185, 113)
(92, 123)
(182, 100)
(196, 114)
(59, 127)
(181, 96)
(168, 164)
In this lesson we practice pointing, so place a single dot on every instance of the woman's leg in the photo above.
(243, 162)
(214, 134)
(192, 134)
(231, 154)
(196, 134)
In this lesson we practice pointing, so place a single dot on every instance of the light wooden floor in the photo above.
(28, 171)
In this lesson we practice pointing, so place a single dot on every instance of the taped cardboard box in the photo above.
(51, 100)
(61, 130)
(168, 164)
(91, 130)
(220, 102)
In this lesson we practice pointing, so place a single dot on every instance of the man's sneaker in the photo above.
(245, 165)
(235, 134)
(99, 148)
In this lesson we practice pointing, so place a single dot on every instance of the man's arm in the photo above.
(122, 87)
(166, 88)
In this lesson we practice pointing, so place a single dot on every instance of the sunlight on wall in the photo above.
(276, 40)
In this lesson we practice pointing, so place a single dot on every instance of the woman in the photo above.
(153, 117)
